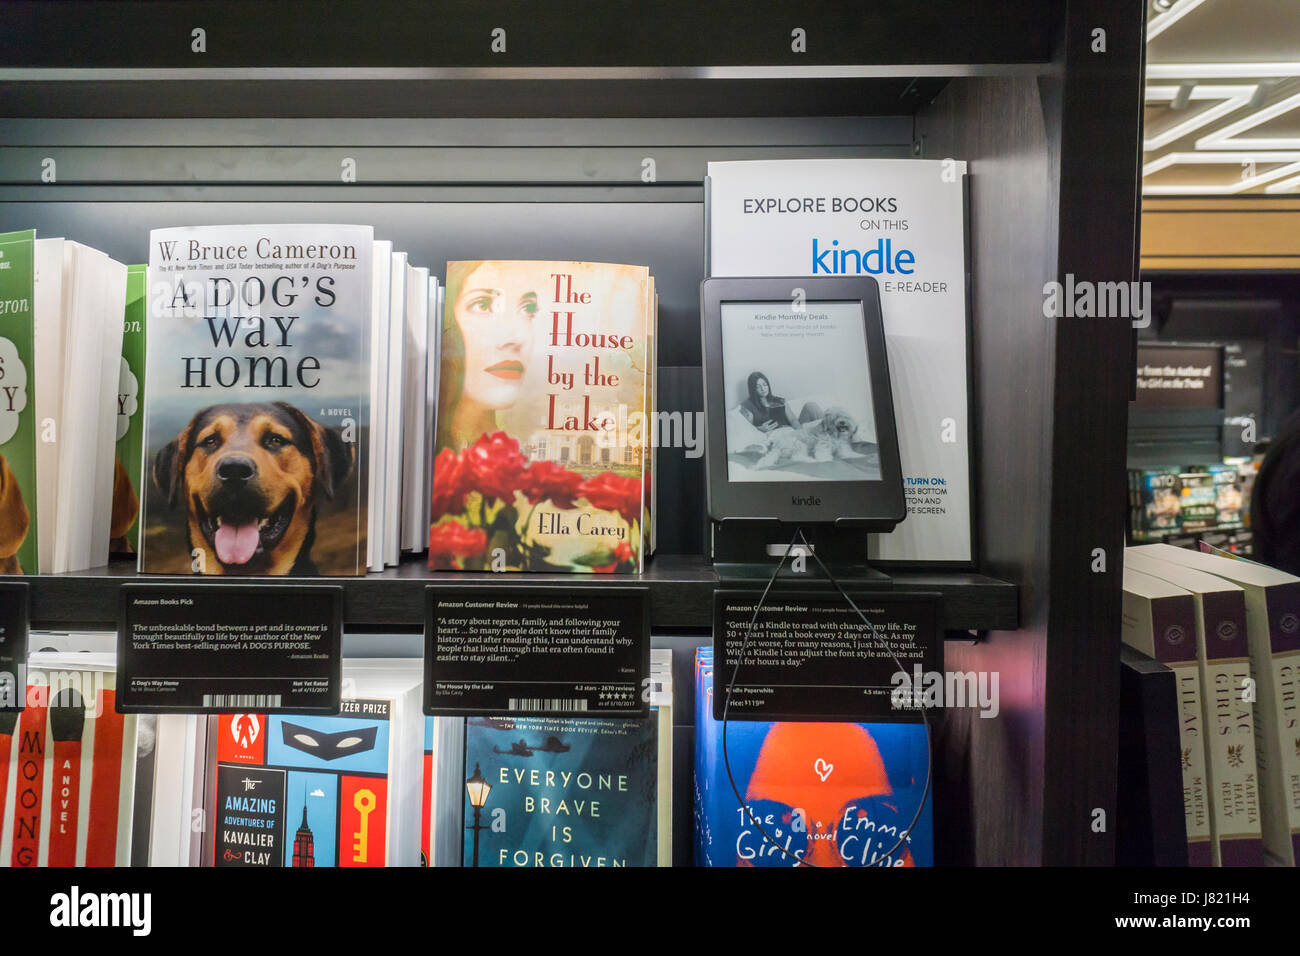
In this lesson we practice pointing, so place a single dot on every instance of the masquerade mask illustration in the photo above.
(324, 746)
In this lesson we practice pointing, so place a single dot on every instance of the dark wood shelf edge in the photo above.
(681, 594)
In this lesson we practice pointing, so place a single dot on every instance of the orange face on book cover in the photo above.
(543, 422)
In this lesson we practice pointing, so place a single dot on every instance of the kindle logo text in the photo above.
(805, 500)
(880, 259)
(132, 911)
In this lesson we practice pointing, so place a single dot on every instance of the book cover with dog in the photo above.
(543, 428)
(124, 533)
(257, 400)
(17, 413)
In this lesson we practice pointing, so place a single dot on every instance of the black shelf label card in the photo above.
(229, 648)
(537, 651)
(13, 646)
(810, 657)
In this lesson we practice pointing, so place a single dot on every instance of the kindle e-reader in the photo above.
(799, 414)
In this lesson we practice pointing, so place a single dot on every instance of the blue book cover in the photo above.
(560, 791)
(828, 794)
(303, 791)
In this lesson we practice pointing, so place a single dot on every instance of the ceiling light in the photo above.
(1224, 138)
(1285, 186)
(1223, 71)
(1233, 98)
(1174, 12)
(1290, 161)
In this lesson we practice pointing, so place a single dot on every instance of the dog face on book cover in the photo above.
(14, 520)
(249, 476)
(125, 508)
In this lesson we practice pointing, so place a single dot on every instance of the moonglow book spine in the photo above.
(257, 400)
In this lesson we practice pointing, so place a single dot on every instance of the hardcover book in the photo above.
(67, 768)
(1198, 509)
(815, 794)
(303, 791)
(1159, 620)
(426, 794)
(442, 786)
(1223, 658)
(1272, 600)
(542, 426)
(18, 516)
(124, 532)
(60, 339)
(561, 791)
(1229, 502)
(1155, 502)
(257, 400)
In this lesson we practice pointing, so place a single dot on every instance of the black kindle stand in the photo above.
(747, 551)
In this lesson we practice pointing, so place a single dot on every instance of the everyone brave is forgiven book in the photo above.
(257, 400)
(562, 791)
(542, 459)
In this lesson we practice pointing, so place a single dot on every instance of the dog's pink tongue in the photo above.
(236, 543)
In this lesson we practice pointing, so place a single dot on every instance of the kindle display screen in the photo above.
(798, 393)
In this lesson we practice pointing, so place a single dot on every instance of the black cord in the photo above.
(726, 705)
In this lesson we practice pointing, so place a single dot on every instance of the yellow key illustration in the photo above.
(364, 802)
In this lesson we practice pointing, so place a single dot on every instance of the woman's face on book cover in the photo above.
(495, 312)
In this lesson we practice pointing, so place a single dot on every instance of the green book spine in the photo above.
(17, 404)
(127, 470)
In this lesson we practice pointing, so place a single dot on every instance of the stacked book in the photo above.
(1230, 628)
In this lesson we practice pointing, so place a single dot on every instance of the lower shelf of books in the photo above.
(381, 784)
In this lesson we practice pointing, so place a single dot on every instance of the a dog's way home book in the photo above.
(257, 400)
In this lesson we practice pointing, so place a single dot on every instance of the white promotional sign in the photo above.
(902, 222)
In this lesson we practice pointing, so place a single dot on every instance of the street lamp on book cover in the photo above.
(478, 789)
